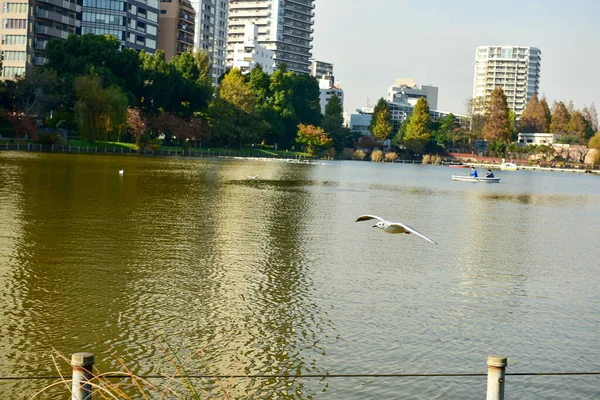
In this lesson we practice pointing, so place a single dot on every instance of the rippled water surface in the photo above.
(272, 276)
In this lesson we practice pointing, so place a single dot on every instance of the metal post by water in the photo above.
(495, 375)
(82, 374)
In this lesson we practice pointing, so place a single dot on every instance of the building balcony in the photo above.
(297, 36)
(300, 10)
(185, 39)
(63, 4)
(300, 27)
(40, 44)
(251, 5)
(307, 21)
(187, 17)
(37, 60)
(46, 30)
(250, 13)
(305, 3)
(56, 17)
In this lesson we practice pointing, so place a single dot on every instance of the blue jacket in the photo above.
(473, 173)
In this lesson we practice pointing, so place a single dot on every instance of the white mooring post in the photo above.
(82, 374)
(495, 375)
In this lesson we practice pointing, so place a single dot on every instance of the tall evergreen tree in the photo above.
(334, 107)
(543, 116)
(380, 106)
(578, 126)
(560, 118)
(202, 60)
(497, 126)
(418, 133)
(528, 121)
(382, 128)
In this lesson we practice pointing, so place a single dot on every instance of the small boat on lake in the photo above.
(458, 165)
(467, 178)
(508, 166)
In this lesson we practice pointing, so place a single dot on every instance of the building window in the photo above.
(13, 23)
(15, 8)
(14, 40)
(13, 55)
(13, 71)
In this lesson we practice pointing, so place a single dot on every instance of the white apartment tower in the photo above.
(249, 54)
(284, 26)
(210, 33)
(516, 69)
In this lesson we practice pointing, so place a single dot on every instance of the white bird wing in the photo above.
(412, 230)
(368, 217)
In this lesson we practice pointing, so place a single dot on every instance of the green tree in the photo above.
(418, 134)
(313, 138)
(99, 55)
(512, 120)
(578, 125)
(382, 127)
(528, 122)
(202, 60)
(334, 107)
(258, 81)
(446, 126)
(497, 125)
(35, 94)
(560, 118)
(101, 113)
(398, 139)
(379, 107)
(185, 64)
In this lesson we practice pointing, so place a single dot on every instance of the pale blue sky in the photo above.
(373, 42)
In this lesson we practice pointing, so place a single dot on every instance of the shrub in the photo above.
(348, 153)
(359, 155)
(377, 156)
(391, 156)
(330, 152)
(51, 138)
(429, 159)
(426, 159)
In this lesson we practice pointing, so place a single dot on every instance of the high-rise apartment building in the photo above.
(284, 26)
(516, 69)
(249, 54)
(211, 32)
(176, 24)
(319, 69)
(28, 25)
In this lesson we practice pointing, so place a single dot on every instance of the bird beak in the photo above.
(374, 226)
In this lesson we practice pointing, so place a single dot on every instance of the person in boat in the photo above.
(489, 174)
(473, 172)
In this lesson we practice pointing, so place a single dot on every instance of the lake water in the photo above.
(273, 276)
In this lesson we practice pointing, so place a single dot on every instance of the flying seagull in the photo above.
(392, 227)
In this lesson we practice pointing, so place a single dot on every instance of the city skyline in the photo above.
(436, 45)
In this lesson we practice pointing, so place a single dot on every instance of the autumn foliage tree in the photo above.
(135, 124)
(497, 125)
(313, 138)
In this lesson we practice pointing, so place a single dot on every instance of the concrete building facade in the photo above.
(407, 91)
(319, 69)
(176, 27)
(284, 26)
(516, 69)
(249, 54)
(28, 25)
(328, 88)
(210, 33)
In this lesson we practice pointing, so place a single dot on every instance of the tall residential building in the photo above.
(319, 69)
(211, 32)
(284, 26)
(176, 27)
(249, 54)
(28, 25)
(407, 91)
(516, 69)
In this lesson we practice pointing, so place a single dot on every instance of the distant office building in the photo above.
(284, 26)
(406, 91)
(133, 23)
(249, 53)
(319, 69)
(361, 121)
(176, 27)
(210, 33)
(516, 69)
(27, 26)
(537, 138)
(328, 88)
